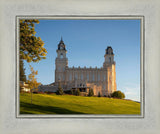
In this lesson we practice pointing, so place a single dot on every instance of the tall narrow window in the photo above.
(59, 77)
(61, 56)
(103, 86)
(75, 75)
(81, 76)
(70, 77)
(104, 77)
(98, 77)
(110, 59)
(88, 76)
(93, 77)
(59, 69)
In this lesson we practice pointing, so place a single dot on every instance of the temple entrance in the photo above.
(82, 90)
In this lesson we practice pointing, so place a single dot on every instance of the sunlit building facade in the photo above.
(101, 80)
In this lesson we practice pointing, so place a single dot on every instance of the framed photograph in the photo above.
(79, 67)
(75, 91)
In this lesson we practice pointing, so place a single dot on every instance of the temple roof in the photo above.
(109, 50)
(61, 45)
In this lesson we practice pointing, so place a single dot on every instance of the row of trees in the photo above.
(116, 94)
(73, 92)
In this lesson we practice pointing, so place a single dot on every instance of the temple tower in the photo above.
(109, 66)
(61, 62)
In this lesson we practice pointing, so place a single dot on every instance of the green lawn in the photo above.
(68, 104)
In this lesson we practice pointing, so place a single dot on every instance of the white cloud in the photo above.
(132, 92)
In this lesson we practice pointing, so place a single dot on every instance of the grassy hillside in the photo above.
(68, 104)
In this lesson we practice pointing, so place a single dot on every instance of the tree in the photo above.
(32, 81)
(22, 71)
(99, 94)
(77, 92)
(72, 92)
(91, 93)
(60, 90)
(118, 94)
(31, 47)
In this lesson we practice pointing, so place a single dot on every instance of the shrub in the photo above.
(118, 94)
(67, 91)
(77, 92)
(59, 91)
(91, 93)
(72, 92)
(99, 94)
(48, 92)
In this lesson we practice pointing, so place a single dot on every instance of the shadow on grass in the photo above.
(32, 108)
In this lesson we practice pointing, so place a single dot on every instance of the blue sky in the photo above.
(86, 41)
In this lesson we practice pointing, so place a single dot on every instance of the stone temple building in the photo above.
(101, 80)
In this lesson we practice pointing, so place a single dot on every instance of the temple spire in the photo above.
(61, 45)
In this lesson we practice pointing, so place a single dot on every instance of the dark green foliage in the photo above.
(31, 48)
(77, 92)
(91, 93)
(59, 91)
(47, 92)
(22, 71)
(99, 94)
(67, 92)
(72, 92)
(118, 94)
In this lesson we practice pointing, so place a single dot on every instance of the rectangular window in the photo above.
(88, 76)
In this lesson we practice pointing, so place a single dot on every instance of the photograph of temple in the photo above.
(101, 80)
(94, 69)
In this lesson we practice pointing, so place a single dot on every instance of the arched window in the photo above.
(61, 47)
(61, 56)
(110, 51)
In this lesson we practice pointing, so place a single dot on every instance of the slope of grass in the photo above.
(68, 104)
